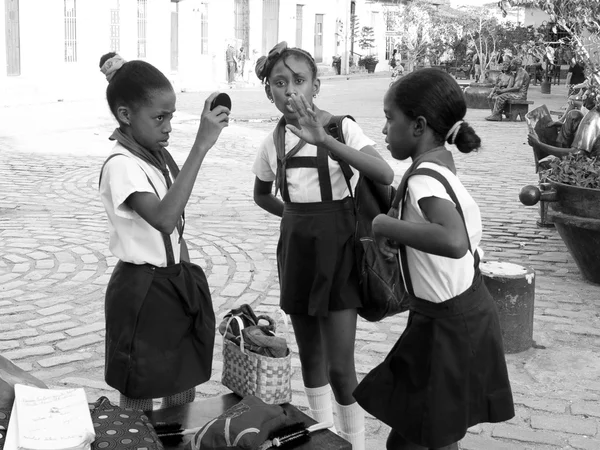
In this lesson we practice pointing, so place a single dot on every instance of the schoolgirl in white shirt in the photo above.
(447, 370)
(315, 254)
(160, 323)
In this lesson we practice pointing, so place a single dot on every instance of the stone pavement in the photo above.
(55, 264)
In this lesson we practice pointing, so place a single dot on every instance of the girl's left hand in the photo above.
(311, 130)
(387, 247)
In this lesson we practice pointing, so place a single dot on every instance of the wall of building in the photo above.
(45, 76)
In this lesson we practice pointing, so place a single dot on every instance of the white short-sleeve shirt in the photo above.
(132, 239)
(438, 278)
(303, 183)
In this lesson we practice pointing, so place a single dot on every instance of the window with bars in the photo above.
(70, 31)
(299, 24)
(115, 27)
(242, 23)
(142, 14)
(203, 29)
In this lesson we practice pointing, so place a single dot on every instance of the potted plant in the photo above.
(336, 63)
(571, 187)
(369, 62)
(367, 42)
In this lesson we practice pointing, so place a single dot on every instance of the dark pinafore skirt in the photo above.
(160, 329)
(316, 258)
(446, 373)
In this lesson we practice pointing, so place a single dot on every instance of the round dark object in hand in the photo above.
(221, 100)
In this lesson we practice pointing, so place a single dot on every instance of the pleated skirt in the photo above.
(446, 372)
(316, 258)
(160, 329)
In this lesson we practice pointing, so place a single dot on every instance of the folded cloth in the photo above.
(260, 339)
(246, 314)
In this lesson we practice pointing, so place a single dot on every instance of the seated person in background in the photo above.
(505, 80)
(578, 133)
(576, 99)
(518, 91)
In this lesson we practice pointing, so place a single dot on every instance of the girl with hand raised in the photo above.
(317, 269)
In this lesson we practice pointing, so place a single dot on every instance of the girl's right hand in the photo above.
(211, 123)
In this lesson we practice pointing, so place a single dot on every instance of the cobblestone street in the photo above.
(55, 264)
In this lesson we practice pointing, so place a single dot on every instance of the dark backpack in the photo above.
(382, 288)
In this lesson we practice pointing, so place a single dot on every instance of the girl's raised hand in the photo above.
(211, 123)
(311, 130)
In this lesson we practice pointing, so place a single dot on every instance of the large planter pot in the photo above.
(370, 67)
(476, 95)
(545, 87)
(575, 211)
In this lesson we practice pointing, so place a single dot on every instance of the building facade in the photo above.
(50, 49)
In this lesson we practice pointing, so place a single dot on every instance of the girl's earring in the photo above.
(315, 95)
(272, 101)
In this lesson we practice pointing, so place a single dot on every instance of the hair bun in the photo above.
(111, 66)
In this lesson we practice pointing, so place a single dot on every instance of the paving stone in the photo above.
(29, 351)
(56, 309)
(78, 331)
(584, 443)
(564, 423)
(64, 359)
(83, 341)
(586, 409)
(527, 435)
(233, 290)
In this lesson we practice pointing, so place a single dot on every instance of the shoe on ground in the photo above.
(494, 118)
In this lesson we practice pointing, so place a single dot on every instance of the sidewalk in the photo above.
(55, 264)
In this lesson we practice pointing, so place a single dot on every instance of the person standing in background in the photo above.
(242, 61)
(231, 64)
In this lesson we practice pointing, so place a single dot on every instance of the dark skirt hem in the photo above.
(446, 372)
(160, 329)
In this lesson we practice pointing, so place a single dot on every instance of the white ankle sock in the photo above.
(351, 424)
(319, 402)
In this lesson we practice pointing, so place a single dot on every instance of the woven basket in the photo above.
(248, 373)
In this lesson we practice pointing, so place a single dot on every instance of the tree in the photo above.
(367, 39)
(578, 19)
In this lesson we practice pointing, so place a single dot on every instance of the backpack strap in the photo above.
(402, 248)
(334, 129)
(166, 237)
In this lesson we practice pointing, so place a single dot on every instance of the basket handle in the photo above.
(287, 327)
(241, 327)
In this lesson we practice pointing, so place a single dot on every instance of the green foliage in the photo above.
(575, 169)
(367, 38)
(579, 20)
(363, 61)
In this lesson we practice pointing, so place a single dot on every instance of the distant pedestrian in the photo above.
(576, 75)
(315, 255)
(230, 60)
(241, 62)
(160, 323)
(447, 371)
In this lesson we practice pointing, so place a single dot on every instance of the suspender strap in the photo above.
(283, 158)
(324, 178)
(439, 177)
(320, 162)
(166, 237)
